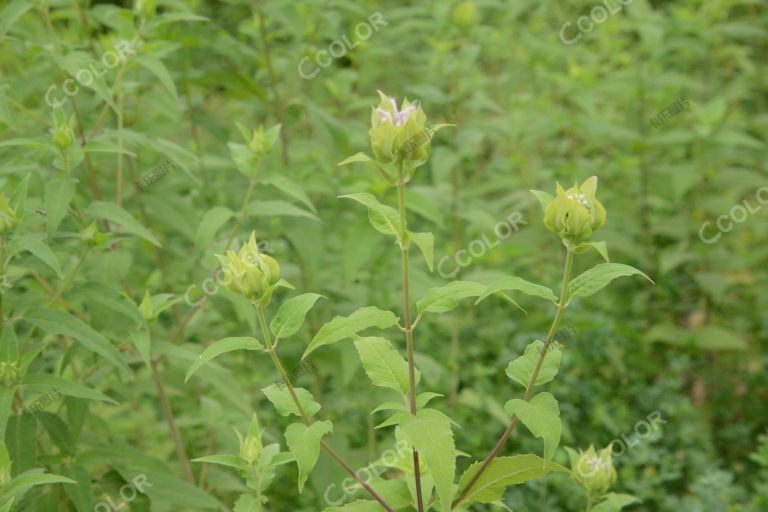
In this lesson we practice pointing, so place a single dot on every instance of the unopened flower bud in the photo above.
(594, 471)
(9, 374)
(250, 447)
(465, 15)
(146, 309)
(145, 8)
(575, 213)
(250, 272)
(63, 135)
(399, 134)
(8, 218)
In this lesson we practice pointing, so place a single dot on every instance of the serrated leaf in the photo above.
(521, 369)
(503, 472)
(445, 298)
(118, 215)
(599, 276)
(223, 346)
(514, 283)
(342, 327)
(383, 218)
(430, 432)
(63, 324)
(426, 244)
(281, 398)
(383, 364)
(304, 443)
(291, 315)
(542, 417)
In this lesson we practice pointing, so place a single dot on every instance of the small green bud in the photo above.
(465, 15)
(146, 309)
(9, 373)
(92, 236)
(145, 8)
(250, 447)
(250, 272)
(594, 471)
(63, 135)
(8, 218)
(575, 213)
(399, 134)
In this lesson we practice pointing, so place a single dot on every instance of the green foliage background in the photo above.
(530, 110)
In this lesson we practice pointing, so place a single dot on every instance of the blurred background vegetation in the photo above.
(536, 99)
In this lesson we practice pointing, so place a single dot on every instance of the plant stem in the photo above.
(408, 325)
(534, 376)
(181, 453)
(589, 503)
(325, 446)
(243, 208)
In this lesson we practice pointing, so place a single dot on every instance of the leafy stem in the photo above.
(561, 305)
(403, 242)
(325, 446)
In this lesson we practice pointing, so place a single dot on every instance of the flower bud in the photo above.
(249, 272)
(63, 135)
(9, 374)
(575, 213)
(594, 471)
(250, 447)
(8, 218)
(465, 15)
(399, 134)
(145, 8)
(146, 309)
(92, 236)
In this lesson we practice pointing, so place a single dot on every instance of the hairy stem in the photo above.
(408, 325)
(325, 446)
(534, 376)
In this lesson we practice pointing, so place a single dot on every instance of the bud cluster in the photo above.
(575, 213)
(249, 272)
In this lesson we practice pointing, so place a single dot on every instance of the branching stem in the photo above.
(534, 376)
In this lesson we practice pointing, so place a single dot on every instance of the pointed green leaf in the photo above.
(291, 315)
(426, 243)
(342, 327)
(45, 382)
(444, 298)
(116, 214)
(503, 472)
(212, 221)
(544, 198)
(383, 364)
(222, 347)
(58, 194)
(63, 324)
(521, 369)
(383, 218)
(542, 417)
(614, 502)
(281, 398)
(599, 276)
(430, 432)
(514, 283)
(304, 443)
(37, 247)
(600, 247)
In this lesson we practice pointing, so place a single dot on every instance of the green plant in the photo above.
(401, 143)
